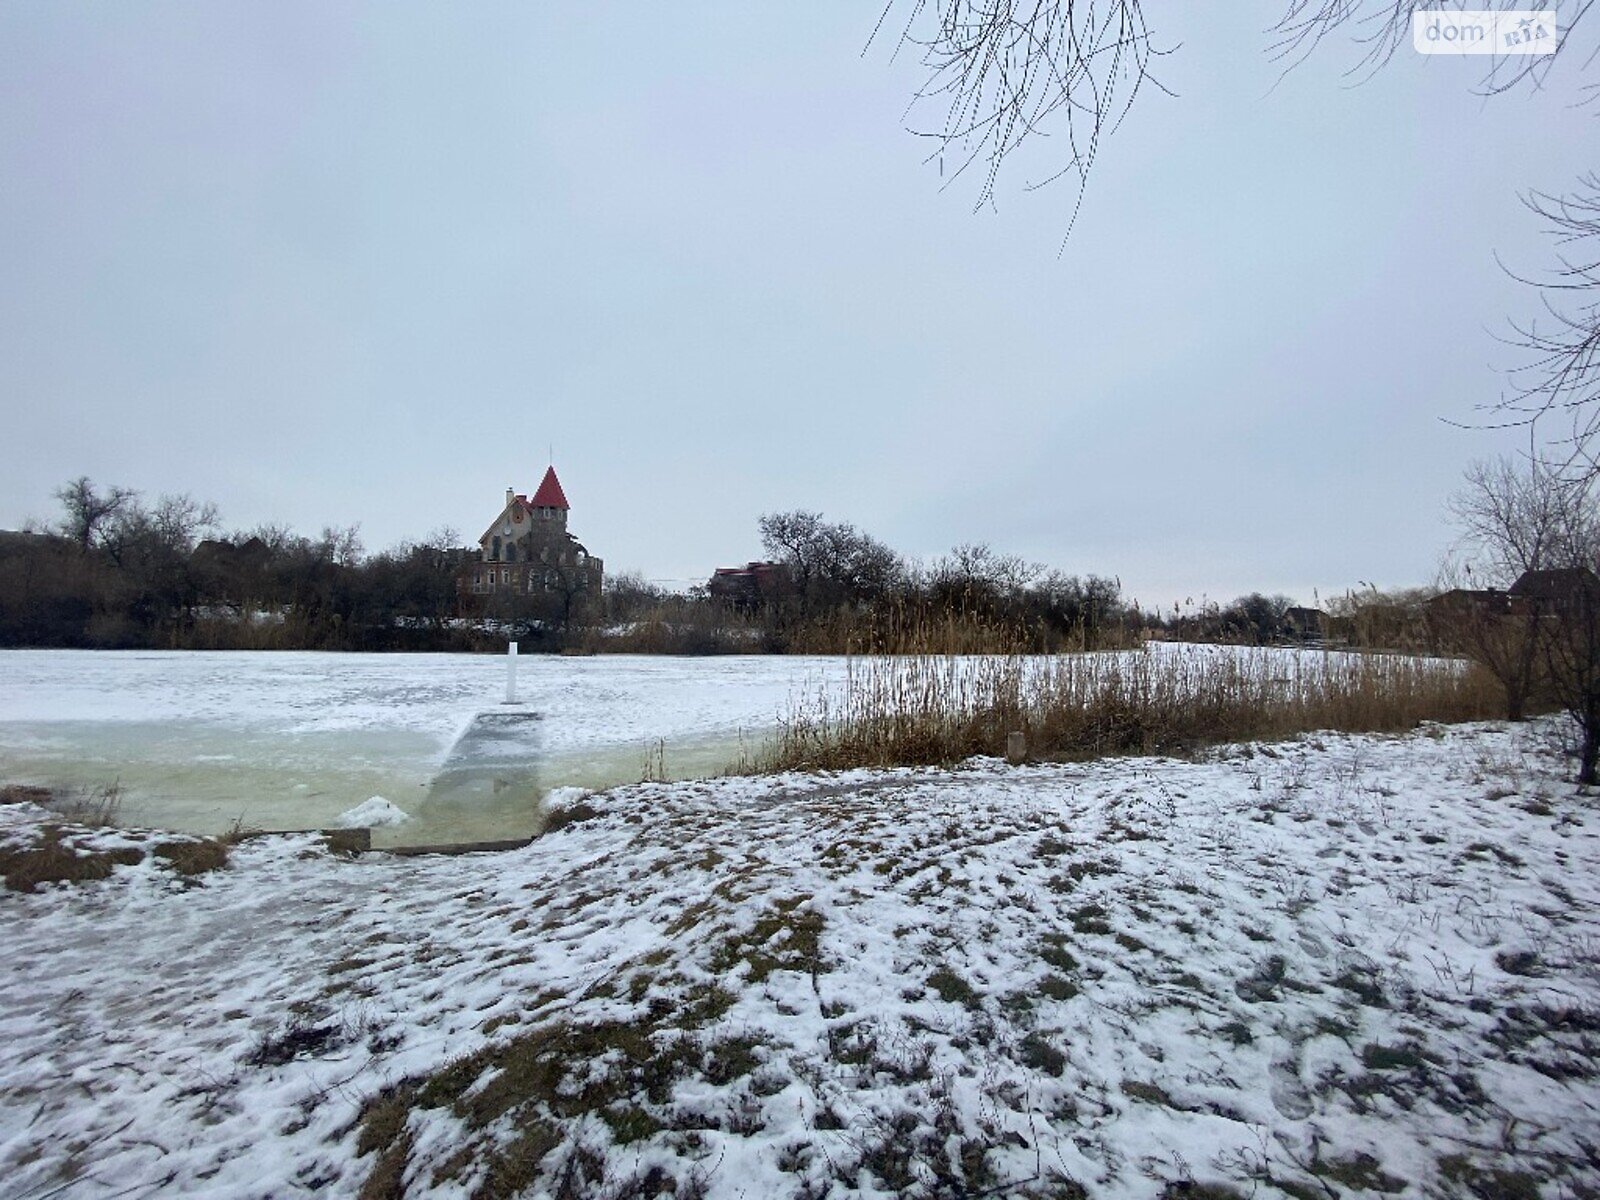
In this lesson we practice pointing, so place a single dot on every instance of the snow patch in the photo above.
(371, 814)
(561, 797)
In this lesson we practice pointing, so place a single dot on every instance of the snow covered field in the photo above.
(291, 740)
(1345, 965)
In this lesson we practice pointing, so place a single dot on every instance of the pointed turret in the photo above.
(550, 494)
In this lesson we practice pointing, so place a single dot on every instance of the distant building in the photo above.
(1305, 624)
(527, 552)
(1468, 602)
(221, 554)
(1554, 590)
(748, 586)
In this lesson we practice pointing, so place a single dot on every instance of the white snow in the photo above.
(373, 813)
(1332, 960)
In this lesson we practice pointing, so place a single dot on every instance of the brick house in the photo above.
(1565, 590)
(527, 560)
(749, 586)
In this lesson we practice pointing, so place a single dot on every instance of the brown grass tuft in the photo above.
(191, 858)
(18, 793)
(52, 860)
(571, 814)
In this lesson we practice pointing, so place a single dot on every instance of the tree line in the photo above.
(117, 571)
(827, 587)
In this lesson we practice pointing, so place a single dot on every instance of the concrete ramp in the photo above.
(496, 758)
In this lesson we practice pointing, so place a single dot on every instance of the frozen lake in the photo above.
(200, 740)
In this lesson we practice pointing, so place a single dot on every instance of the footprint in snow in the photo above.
(1288, 1093)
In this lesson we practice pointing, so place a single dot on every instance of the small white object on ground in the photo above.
(372, 813)
(562, 796)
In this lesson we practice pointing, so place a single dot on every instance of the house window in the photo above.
(505, 576)
(494, 555)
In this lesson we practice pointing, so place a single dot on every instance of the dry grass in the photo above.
(900, 629)
(69, 851)
(192, 858)
(17, 793)
(51, 859)
(938, 709)
(96, 806)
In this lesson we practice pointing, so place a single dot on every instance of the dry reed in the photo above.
(942, 708)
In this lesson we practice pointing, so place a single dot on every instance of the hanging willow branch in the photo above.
(1560, 382)
(1383, 27)
(1004, 72)
(1007, 71)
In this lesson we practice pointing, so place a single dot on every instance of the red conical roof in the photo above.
(550, 494)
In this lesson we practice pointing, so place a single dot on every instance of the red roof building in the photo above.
(527, 556)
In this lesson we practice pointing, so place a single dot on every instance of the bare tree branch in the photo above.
(1559, 384)
(1002, 70)
(1383, 27)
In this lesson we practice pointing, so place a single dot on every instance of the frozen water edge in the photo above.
(1338, 959)
(201, 740)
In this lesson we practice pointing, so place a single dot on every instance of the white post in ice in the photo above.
(511, 673)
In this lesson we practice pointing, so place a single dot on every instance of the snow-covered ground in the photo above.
(1340, 966)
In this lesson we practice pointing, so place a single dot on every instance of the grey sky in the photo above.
(362, 263)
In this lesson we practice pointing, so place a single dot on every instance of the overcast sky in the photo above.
(332, 264)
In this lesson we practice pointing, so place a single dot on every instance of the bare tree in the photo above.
(1570, 607)
(1482, 624)
(830, 564)
(1547, 530)
(1512, 517)
(90, 512)
(341, 545)
(976, 565)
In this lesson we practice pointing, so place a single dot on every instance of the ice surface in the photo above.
(201, 740)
